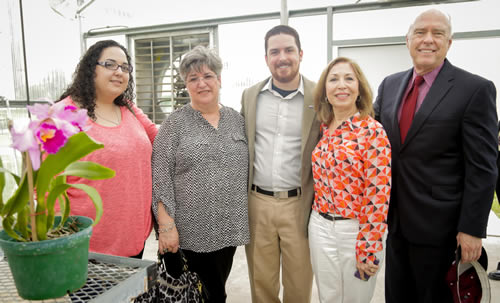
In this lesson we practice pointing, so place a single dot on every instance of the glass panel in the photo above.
(157, 72)
(395, 58)
(243, 55)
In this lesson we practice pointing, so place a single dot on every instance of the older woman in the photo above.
(103, 84)
(200, 168)
(351, 171)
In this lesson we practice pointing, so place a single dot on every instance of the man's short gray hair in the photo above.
(198, 57)
(434, 11)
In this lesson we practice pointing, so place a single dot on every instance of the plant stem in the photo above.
(29, 170)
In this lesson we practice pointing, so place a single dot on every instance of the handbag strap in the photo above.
(183, 258)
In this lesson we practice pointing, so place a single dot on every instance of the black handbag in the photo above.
(187, 288)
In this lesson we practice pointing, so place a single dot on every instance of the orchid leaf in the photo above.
(22, 222)
(51, 205)
(48, 135)
(3, 170)
(18, 200)
(59, 180)
(66, 207)
(94, 196)
(60, 190)
(2, 184)
(41, 220)
(77, 146)
(7, 224)
(56, 192)
(88, 170)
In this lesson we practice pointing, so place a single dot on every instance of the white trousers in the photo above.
(333, 257)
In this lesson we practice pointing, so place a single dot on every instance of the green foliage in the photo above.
(51, 186)
(495, 207)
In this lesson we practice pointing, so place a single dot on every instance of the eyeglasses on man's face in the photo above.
(112, 65)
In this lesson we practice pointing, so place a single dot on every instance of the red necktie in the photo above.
(408, 110)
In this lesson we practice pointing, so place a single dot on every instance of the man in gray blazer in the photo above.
(282, 132)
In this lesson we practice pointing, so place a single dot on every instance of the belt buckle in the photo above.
(276, 194)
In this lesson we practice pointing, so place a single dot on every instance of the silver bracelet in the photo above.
(168, 227)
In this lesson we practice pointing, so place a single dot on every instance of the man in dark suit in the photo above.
(443, 134)
(495, 274)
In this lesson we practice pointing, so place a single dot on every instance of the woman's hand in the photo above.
(168, 236)
(168, 241)
(368, 269)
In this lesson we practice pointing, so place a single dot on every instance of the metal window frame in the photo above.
(211, 31)
(329, 11)
(402, 39)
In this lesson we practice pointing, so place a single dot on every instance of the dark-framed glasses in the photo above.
(112, 65)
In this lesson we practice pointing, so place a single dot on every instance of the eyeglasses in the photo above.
(112, 65)
(207, 78)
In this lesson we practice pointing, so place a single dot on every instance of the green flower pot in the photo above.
(51, 268)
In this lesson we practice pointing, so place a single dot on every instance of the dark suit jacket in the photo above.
(445, 172)
(498, 164)
(310, 137)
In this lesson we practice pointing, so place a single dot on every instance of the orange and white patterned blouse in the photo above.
(352, 179)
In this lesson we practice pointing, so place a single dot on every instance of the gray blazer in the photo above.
(310, 137)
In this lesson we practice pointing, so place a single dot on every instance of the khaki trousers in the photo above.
(276, 232)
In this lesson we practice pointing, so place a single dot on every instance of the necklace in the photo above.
(108, 120)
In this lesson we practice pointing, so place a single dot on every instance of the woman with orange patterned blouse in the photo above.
(352, 177)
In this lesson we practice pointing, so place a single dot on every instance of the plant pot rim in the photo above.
(46, 246)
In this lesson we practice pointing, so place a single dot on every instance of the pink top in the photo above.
(126, 221)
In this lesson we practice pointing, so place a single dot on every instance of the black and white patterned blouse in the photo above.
(200, 175)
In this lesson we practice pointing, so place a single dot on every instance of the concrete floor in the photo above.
(238, 287)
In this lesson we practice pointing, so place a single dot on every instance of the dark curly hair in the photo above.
(82, 89)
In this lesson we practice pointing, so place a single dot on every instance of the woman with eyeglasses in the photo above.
(200, 171)
(104, 86)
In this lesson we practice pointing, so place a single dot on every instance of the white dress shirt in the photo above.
(278, 139)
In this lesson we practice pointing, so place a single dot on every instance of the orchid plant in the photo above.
(52, 144)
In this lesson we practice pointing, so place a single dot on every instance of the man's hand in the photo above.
(471, 247)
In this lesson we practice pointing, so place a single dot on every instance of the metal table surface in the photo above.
(110, 279)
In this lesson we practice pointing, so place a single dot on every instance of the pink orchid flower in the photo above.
(54, 124)
(23, 139)
(68, 118)
(51, 138)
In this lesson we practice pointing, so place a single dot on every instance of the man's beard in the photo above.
(289, 77)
